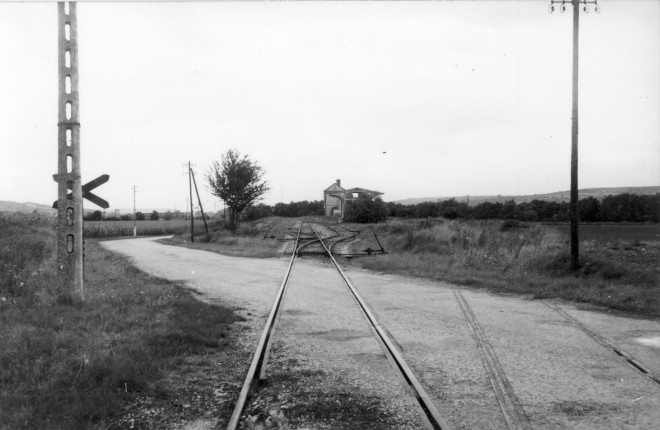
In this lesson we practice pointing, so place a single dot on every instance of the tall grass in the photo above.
(107, 229)
(524, 258)
(75, 365)
(26, 243)
(253, 239)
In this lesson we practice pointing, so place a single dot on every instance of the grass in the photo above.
(66, 364)
(618, 270)
(107, 229)
(521, 258)
(256, 239)
(614, 232)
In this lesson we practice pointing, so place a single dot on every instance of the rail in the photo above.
(435, 420)
(263, 346)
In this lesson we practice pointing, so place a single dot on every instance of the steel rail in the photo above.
(511, 407)
(343, 239)
(606, 343)
(435, 420)
(261, 353)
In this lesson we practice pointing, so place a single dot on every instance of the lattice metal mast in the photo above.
(68, 177)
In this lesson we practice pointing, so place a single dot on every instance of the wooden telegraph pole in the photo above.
(573, 207)
(192, 213)
(68, 178)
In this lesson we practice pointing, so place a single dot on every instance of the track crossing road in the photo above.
(486, 361)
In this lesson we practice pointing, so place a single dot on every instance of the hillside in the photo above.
(27, 207)
(559, 196)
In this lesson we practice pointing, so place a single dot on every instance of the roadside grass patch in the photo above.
(254, 239)
(66, 364)
(107, 229)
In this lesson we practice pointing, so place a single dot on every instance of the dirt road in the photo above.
(489, 362)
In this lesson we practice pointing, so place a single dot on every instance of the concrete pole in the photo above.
(69, 189)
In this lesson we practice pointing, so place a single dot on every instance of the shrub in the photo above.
(367, 210)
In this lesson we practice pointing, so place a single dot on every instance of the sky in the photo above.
(413, 99)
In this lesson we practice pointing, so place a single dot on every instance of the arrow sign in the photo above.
(87, 192)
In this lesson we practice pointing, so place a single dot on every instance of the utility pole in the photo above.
(201, 209)
(573, 207)
(192, 214)
(68, 177)
(134, 215)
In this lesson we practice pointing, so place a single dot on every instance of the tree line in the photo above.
(614, 208)
(293, 209)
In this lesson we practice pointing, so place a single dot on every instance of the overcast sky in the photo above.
(414, 99)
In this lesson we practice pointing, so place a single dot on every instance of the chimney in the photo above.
(339, 182)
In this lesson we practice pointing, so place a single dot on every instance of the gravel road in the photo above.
(488, 362)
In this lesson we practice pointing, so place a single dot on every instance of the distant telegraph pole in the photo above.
(573, 208)
(199, 201)
(192, 213)
(134, 215)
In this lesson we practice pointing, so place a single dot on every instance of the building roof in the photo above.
(365, 191)
(334, 188)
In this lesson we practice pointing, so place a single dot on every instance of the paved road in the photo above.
(489, 362)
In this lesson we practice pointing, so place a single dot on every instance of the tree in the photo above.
(236, 180)
(94, 216)
(589, 209)
(154, 216)
(367, 210)
(254, 212)
(139, 216)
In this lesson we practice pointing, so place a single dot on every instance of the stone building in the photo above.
(337, 200)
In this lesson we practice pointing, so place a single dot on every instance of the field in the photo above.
(619, 270)
(106, 229)
(613, 232)
(67, 364)
(619, 262)
(71, 364)
(255, 239)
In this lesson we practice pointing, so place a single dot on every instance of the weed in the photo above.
(68, 364)
(523, 258)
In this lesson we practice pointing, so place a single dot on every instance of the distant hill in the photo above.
(27, 207)
(559, 196)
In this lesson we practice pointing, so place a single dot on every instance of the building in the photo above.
(337, 200)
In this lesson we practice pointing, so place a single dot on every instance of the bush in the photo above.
(366, 210)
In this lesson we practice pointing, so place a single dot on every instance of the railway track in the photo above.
(322, 239)
(339, 239)
(486, 362)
